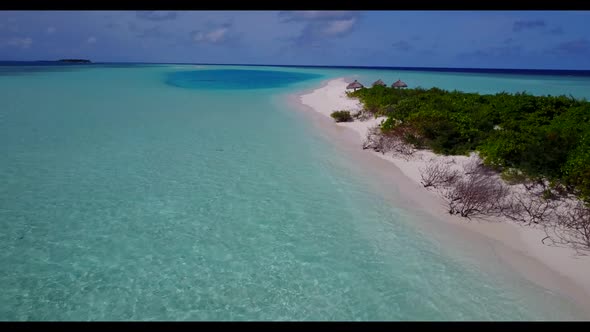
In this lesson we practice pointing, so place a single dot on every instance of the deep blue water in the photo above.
(542, 72)
(233, 79)
(551, 72)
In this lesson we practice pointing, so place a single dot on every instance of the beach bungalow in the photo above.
(379, 82)
(355, 85)
(399, 84)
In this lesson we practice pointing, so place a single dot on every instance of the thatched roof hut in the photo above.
(379, 82)
(354, 85)
(399, 84)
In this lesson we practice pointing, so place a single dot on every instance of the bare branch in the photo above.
(571, 227)
(476, 194)
(362, 115)
(387, 142)
(528, 208)
(437, 174)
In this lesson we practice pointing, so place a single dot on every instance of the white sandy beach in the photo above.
(535, 260)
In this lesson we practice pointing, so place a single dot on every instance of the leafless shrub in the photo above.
(561, 190)
(362, 115)
(476, 194)
(528, 208)
(571, 227)
(387, 142)
(535, 185)
(374, 139)
(398, 146)
(476, 166)
(437, 174)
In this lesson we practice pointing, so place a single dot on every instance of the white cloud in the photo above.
(50, 30)
(216, 35)
(91, 40)
(319, 25)
(339, 26)
(315, 15)
(156, 15)
(20, 42)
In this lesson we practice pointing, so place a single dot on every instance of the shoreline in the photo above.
(519, 247)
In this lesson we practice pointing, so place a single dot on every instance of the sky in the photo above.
(458, 39)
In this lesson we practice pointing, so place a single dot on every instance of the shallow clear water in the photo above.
(125, 197)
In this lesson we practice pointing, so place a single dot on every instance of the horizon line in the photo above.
(312, 66)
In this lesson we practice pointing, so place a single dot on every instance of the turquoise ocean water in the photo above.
(180, 192)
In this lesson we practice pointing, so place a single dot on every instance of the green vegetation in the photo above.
(538, 137)
(341, 116)
(513, 176)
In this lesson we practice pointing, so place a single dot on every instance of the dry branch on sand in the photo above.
(437, 174)
(528, 208)
(362, 115)
(476, 193)
(387, 142)
(571, 227)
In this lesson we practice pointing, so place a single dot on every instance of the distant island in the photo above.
(75, 60)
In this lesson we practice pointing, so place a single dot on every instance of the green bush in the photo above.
(341, 116)
(513, 176)
(539, 136)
